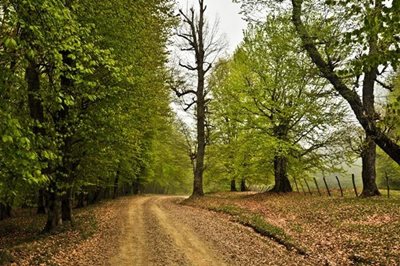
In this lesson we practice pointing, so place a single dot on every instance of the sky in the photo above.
(230, 21)
(231, 25)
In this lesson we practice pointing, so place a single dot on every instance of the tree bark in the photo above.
(201, 142)
(41, 202)
(243, 186)
(233, 185)
(369, 124)
(66, 206)
(53, 208)
(32, 76)
(200, 108)
(368, 173)
(282, 183)
(5, 211)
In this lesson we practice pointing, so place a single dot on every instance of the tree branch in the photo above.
(386, 86)
(368, 123)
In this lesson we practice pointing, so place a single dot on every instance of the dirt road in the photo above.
(158, 231)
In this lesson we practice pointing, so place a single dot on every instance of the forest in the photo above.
(103, 99)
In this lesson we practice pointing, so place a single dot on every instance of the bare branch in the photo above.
(188, 67)
(188, 106)
(386, 86)
(180, 93)
(208, 67)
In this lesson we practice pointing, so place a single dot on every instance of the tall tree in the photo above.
(201, 41)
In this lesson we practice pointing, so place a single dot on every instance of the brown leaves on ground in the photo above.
(335, 231)
(91, 241)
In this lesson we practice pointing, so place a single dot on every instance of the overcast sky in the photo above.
(230, 24)
(230, 21)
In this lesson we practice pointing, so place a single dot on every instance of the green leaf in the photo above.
(10, 43)
(7, 138)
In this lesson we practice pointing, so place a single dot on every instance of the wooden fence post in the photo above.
(327, 188)
(340, 186)
(387, 184)
(316, 184)
(295, 182)
(308, 187)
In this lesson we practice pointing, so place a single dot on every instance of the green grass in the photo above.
(260, 225)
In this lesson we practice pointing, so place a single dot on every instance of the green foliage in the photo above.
(270, 102)
(355, 45)
(391, 123)
(97, 108)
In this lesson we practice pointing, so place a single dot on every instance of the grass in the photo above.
(260, 225)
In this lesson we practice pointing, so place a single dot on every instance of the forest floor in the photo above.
(219, 229)
(330, 230)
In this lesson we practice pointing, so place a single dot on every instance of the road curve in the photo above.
(160, 232)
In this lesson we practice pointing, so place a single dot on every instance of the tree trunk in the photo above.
(53, 208)
(41, 202)
(81, 200)
(66, 206)
(368, 157)
(116, 180)
(282, 183)
(369, 150)
(233, 185)
(243, 187)
(65, 170)
(196, 40)
(201, 138)
(53, 205)
(136, 186)
(5, 211)
(35, 103)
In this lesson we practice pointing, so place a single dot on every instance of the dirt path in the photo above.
(160, 232)
(152, 237)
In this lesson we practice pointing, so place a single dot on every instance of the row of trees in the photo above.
(84, 104)
(282, 104)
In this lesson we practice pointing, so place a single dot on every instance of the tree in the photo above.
(364, 110)
(200, 40)
(272, 84)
